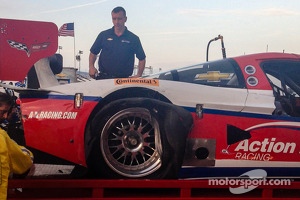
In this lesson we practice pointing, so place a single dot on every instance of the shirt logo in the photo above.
(109, 39)
(125, 41)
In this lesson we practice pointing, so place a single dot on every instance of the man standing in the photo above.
(117, 47)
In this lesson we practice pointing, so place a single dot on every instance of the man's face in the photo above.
(5, 110)
(118, 19)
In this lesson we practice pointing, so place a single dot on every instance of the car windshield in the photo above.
(221, 73)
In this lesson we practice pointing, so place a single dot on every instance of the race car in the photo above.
(215, 119)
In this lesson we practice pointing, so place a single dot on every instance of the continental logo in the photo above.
(136, 81)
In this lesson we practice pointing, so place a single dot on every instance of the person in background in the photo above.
(14, 159)
(117, 47)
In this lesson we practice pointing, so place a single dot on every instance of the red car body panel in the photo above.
(23, 43)
(57, 128)
(265, 144)
(263, 83)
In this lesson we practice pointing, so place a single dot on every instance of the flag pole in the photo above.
(74, 48)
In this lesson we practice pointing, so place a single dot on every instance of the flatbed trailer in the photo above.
(140, 189)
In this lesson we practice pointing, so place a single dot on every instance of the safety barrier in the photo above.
(48, 189)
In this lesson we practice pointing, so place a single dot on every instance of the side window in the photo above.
(223, 73)
(284, 76)
(280, 87)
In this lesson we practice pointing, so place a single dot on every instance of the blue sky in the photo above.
(174, 33)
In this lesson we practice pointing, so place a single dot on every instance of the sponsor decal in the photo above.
(136, 81)
(213, 76)
(252, 81)
(28, 50)
(249, 181)
(250, 70)
(52, 115)
(3, 28)
(262, 150)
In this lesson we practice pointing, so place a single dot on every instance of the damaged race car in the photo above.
(215, 119)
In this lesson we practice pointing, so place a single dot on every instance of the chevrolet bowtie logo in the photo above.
(213, 76)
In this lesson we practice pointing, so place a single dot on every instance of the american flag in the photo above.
(66, 30)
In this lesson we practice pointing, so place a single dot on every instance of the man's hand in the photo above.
(93, 72)
(135, 76)
(92, 69)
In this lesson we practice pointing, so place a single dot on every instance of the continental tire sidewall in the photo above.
(95, 160)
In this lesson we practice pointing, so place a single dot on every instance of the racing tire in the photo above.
(138, 138)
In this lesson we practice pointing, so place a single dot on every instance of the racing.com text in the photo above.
(52, 115)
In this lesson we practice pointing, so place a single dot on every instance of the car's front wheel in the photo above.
(137, 138)
(130, 142)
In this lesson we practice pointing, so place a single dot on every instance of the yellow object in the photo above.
(14, 159)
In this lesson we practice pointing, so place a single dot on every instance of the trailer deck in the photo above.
(138, 189)
(55, 182)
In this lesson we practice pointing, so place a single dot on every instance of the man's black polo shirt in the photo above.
(117, 53)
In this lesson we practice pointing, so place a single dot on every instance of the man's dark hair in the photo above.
(6, 99)
(119, 9)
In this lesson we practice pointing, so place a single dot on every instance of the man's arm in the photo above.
(92, 69)
(140, 67)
